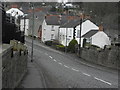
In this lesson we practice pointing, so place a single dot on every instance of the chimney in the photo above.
(101, 28)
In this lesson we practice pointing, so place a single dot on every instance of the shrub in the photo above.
(71, 46)
(49, 43)
(55, 42)
(60, 47)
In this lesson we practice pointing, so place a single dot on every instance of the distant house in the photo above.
(50, 27)
(16, 13)
(67, 32)
(86, 26)
(71, 30)
(22, 22)
(97, 37)
(24, 25)
(38, 20)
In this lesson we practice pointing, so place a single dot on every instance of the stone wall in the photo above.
(14, 66)
(107, 57)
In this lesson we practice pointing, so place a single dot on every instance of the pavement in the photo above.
(55, 69)
(33, 77)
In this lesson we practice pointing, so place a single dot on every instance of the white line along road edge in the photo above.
(103, 81)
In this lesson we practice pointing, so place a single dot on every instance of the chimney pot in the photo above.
(101, 28)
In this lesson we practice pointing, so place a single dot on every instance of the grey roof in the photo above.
(71, 24)
(90, 33)
(53, 20)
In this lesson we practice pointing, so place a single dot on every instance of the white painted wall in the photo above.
(13, 11)
(86, 26)
(100, 39)
(63, 33)
(26, 26)
(47, 32)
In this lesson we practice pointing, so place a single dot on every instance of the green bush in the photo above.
(60, 47)
(71, 46)
(55, 42)
(49, 43)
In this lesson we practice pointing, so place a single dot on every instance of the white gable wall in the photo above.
(13, 12)
(100, 39)
(47, 32)
(86, 27)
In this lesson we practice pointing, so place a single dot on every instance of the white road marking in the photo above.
(86, 74)
(55, 60)
(60, 63)
(75, 70)
(103, 81)
(66, 66)
(51, 57)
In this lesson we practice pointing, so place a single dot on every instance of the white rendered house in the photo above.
(24, 25)
(100, 39)
(72, 29)
(50, 28)
(85, 27)
(97, 37)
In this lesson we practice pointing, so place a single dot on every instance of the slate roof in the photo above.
(90, 33)
(71, 24)
(52, 20)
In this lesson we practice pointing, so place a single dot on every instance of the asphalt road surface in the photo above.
(61, 70)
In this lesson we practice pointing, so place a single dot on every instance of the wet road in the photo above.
(62, 70)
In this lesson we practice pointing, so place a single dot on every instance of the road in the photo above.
(62, 70)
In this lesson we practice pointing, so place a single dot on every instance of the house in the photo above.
(71, 30)
(86, 26)
(97, 37)
(67, 31)
(15, 12)
(38, 20)
(23, 23)
(50, 27)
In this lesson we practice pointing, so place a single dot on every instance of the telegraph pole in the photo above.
(32, 33)
(81, 20)
(66, 41)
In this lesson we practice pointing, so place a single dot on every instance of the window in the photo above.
(52, 36)
(52, 28)
(78, 33)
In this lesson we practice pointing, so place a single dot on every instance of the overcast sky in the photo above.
(60, 0)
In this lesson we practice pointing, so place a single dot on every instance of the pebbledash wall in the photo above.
(14, 66)
(108, 57)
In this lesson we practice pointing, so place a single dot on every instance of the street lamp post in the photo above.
(32, 34)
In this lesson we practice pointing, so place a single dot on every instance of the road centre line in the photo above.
(59, 63)
(55, 60)
(66, 66)
(75, 70)
(51, 57)
(86, 74)
(102, 81)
